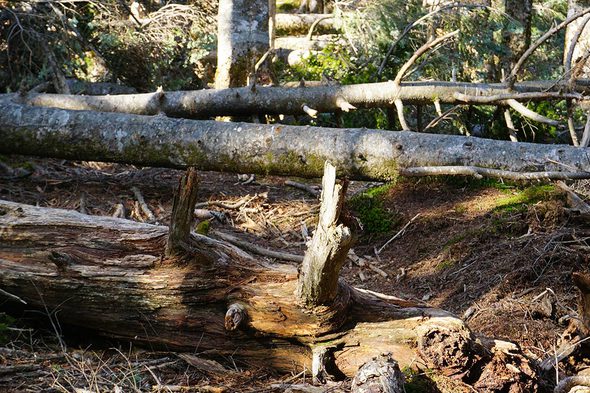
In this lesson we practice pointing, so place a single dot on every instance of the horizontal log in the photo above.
(267, 149)
(111, 275)
(284, 100)
(301, 23)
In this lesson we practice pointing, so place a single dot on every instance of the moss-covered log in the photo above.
(290, 100)
(267, 149)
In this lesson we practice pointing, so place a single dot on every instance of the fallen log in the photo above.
(271, 149)
(113, 276)
(284, 100)
(301, 23)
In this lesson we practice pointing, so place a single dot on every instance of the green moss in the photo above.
(529, 195)
(418, 382)
(370, 210)
(446, 264)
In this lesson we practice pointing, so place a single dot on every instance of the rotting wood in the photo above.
(290, 100)
(112, 277)
(320, 269)
(273, 149)
(183, 208)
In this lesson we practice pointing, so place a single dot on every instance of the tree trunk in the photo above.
(242, 38)
(516, 40)
(280, 100)
(271, 149)
(583, 41)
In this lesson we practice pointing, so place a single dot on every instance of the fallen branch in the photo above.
(143, 205)
(398, 234)
(285, 256)
(313, 190)
(290, 100)
(479, 173)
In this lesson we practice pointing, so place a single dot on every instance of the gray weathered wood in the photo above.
(258, 148)
(290, 100)
(318, 276)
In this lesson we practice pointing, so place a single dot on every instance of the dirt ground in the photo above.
(499, 255)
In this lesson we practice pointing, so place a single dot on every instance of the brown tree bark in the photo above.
(583, 41)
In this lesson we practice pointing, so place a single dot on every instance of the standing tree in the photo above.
(242, 39)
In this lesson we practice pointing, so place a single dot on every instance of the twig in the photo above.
(570, 123)
(144, 207)
(82, 208)
(413, 24)
(574, 201)
(586, 134)
(313, 190)
(511, 129)
(399, 106)
(315, 23)
(572, 47)
(501, 98)
(479, 173)
(423, 49)
(511, 79)
(398, 234)
(526, 112)
(229, 206)
(258, 250)
(119, 210)
(10, 295)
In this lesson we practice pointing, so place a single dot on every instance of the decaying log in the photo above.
(111, 275)
(267, 149)
(301, 23)
(290, 100)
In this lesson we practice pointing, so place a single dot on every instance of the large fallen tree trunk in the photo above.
(273, 149)
(279, 100)
(113, 275)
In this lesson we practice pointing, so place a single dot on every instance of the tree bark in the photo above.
(267, 149)
(516, 41)
(281, 100)
(301, 23)
(583, 44)
(242, 38)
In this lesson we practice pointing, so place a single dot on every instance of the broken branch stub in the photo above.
(318, 277)
(183, 206)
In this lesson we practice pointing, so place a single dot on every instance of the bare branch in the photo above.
(423, 49)
(512, 77)
(479, 173)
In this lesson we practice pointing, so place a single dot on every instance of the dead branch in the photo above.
(285, 256)
(422, 50)
(511, 78)
(291, 100)
(479, 172)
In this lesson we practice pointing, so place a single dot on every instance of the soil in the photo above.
(501, 260)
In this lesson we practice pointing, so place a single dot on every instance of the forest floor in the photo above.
(498, 255)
